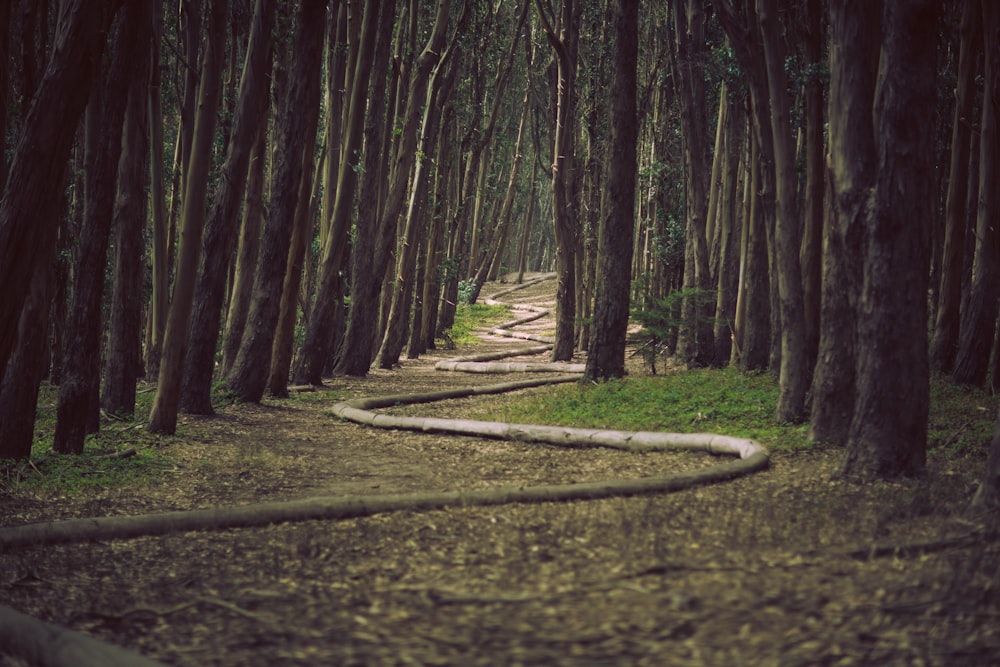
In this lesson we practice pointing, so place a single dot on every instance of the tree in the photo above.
(26, 230)
(563, 38)
(795, 372)
(373, 234)
(944, 343)
(418, 92)
(888, 435)
(77, 409)
(606, 357)
(979, 317)
(315, 350)
(855, 27)
(220, 228)
(248, 377)
(163, 416)
(123, 361)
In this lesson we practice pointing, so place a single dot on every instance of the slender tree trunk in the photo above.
(395, 331)
(811, 252)
(246, 253)
(888, 434)
(316, 349)
(284, 339)
(123, 362)
(855, 27)
(795, 373)
(370, 235)
(728, 238)
(248, 377)
(160, 295)
(220, 229)
(563, 167)
(944, 343)
(606, 357)
(49, 128)
(979, 317)
(163, 415)
(77, 412)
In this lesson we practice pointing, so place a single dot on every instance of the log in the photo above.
(49, 645)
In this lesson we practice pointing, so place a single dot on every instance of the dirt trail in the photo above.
(765, 570)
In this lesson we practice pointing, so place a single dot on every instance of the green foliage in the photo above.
(661, 319)
(466, 288)
(48, 472)
(470, 317)
(698, 401)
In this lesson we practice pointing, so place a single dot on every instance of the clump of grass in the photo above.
(470, 317)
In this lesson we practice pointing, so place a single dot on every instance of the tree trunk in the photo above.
(20, 382)
(248, 377)
(249, 120)
(163, 415)
(419, 91)
(316, 348)
(889, 427)
(855, 27)
(372, 236)
(795, 373)
(944, 343)
(606, 357)
(728, 235)
(564, 211)
(979, 318)
(26, 233)
(814, 209)
(77, 411)
(123, 362)
(160, 273)
(695, 336)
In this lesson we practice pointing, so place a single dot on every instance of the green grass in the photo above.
(729, 402)
(470, 317)
(50, 473)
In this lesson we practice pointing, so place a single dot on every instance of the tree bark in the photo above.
(372, 235)
(606, 357)
(795, 372)
(888, 434)
(418, 93)
(248, 377)
(979, 317)
(78, 404)
(220, 229)
(316, 348)
(26, 233)
(564, 210)
(944, 343)
(163, 415)
(855, 28)
(123, 362)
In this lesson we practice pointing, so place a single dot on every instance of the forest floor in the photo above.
(784, 567)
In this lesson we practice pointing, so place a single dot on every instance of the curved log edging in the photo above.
(750, 457)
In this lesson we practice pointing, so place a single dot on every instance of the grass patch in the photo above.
(48, 472)
(733, 403)
(469, 317)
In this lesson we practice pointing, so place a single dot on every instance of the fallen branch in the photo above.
(49, 645)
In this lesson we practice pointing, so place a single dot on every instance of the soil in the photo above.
(785, 567)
